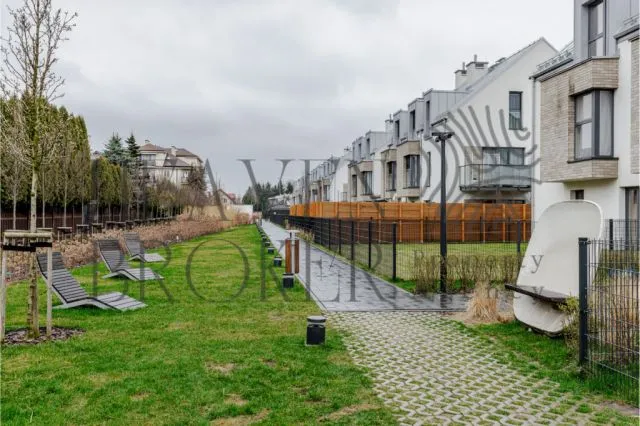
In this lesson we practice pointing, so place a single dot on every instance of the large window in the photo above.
(412, 171)
(391, 176)
(367, 179)
(596, 29)
(396, 128)
(515, 110)
(503, 156)
(594, 125)
(412, 120)
(368, 146)
(354, 185)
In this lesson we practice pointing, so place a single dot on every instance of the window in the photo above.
(428, 183)
(367, 179)
(412, 171)
(391, 176)
(577, 194)
(396, 128)
(360, 151)
(515, 110)
(354, 185)
(325, 193)
(596, 29)
(594, 125)
(412, 120)
(503, 156)
(366, 154)
(428, 118)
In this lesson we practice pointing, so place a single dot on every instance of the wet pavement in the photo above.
(338, 286)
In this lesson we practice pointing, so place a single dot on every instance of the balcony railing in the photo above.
(477, 177)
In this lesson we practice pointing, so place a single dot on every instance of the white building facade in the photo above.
(587, 113)
(170, 164)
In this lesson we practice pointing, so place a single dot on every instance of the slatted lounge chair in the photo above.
(72, 295)
(119, 267)
(136, 249)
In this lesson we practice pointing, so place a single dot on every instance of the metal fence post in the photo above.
(583, 283)
(353, 240)
(321, 231)
(610, 234)
(394, 251)
(329, 222)
(518, 237)
(369, 239)
(340, 236)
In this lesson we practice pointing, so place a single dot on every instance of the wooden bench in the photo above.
(130, 224)
(97, 227)
(121, 225)
(539, 293)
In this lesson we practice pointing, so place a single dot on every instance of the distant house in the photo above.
(172, 164)
(226, 198)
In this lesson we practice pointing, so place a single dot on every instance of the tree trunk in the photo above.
(34, 204)
(32, 300)
(15, 205)
(64, 212)
(44, 223)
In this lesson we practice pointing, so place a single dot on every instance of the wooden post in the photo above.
(504, 219)
(484, 237)
(462, 223)
(49, 287)
(422, 222)
(3, 295)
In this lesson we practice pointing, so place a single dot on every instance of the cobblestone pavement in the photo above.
(431, 372)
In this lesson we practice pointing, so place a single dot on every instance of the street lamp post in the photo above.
(443, 137)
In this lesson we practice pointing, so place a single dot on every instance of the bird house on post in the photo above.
(291, 258)
(24, 241)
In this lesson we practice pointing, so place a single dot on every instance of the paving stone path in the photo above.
(431, 372)
(422, 365)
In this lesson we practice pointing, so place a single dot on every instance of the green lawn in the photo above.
(188, 360)
(552, 358)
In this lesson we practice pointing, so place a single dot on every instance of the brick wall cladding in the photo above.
(635, 107)
(557, 118)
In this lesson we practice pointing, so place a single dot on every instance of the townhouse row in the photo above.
(538, 126)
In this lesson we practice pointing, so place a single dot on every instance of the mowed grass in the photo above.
(205, 351)
(409, 253)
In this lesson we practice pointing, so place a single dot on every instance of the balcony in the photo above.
(482, 177)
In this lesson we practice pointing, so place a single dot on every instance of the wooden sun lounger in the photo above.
(73, 295)
(118, 266)
(136, 249)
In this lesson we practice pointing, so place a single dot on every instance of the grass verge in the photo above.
(207, 350)
(553, 359)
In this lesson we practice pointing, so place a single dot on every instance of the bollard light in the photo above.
(316, 330)
(270, 250)
(277, 261)
(287, 280)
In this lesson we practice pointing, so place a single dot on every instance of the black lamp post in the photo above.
(443, 137)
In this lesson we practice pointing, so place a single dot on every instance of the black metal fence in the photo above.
(410, 250)
(609, 309)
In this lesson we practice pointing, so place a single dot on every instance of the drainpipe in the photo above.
(536, 152)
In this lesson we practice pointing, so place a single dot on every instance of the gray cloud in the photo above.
(277, 79)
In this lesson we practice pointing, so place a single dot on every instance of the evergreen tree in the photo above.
(133, 152)
(114, 152)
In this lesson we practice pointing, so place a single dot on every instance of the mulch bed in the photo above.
(19, 336)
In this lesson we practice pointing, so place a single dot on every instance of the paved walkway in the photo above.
(430, 372)
(423, 366)
(338, 286)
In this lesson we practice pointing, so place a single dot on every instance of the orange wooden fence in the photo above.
(412, 211)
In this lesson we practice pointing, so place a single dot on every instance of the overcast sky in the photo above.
(261, 79)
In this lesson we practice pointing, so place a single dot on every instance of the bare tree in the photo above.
(29, 54)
